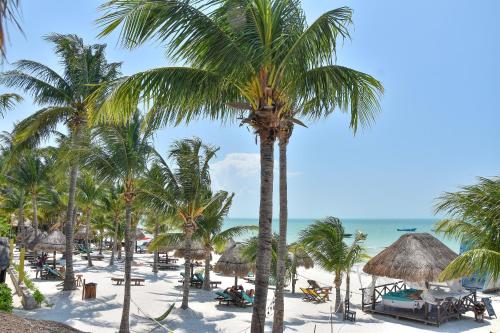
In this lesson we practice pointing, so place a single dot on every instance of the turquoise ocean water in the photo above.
(381, 232)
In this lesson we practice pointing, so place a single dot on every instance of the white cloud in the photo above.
(240, 173)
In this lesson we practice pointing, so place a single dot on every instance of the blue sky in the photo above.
(440, 120)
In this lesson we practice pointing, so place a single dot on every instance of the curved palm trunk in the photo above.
(87, 242)
(279, 306)
(155, 253)
(338, 282)
(69, 277)
(189, 230)
(34, 203)
(208, 257)
(129, 254)
(263, 262)
(113, 250)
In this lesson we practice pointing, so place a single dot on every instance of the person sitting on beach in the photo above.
(251, 292)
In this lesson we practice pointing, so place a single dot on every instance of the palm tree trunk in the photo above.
(338, 282)
(69, 277)
(208, 257)
(129, 254)
(155, 253)
(279, 306)
(87, 242)
(347, 285)
(113, 250)
(263, 260)
(20, 218)
(188, 229)
(119, 257)
(101, 241)
(35, 213)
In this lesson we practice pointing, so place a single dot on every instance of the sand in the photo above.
(205, 315)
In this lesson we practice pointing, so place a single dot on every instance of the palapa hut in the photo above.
(81, 234)
(4, 257)
(414, 257)
(54, 242)
(197, 250)
(233, 263)
(417, 259)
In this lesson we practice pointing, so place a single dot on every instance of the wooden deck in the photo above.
(444, 311)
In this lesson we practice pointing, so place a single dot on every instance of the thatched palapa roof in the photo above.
(233, 263)
(55, 241)
(414, 257)
(81, 233)
(197, 251)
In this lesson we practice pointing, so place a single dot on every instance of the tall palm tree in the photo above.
(324, 241)
(31, 174)
(121, 154)
(210, 231)
(89, 193)
(474, 216)
(252, 54)
(64, 99)
(113, 203)
(185, 192)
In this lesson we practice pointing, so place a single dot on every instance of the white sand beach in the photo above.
(205, 315)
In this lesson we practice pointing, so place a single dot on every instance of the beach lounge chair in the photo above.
(315, 297)
(194, 281)
(50, 273)
(223, 297)
(238, 299)
(307, 296)
(247, 298)
(213, 284)
(314, 285)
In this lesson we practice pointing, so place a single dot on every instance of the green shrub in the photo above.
(38, 296)
(5, 298)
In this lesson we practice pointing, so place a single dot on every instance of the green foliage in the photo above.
(5, 298)
(38, 296)
(324, 241)
(4, 226)
(475, 220)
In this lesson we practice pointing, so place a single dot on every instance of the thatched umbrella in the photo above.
(81, 234)
(233, 263)
(414, 257)
(31, 240)
(55, 241)
(197, 250)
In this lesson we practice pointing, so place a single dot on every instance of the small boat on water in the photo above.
(406, 229)
(347, 235)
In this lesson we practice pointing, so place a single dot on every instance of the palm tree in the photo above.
(8, 101)
(474, 220)
(113, 203)
(121, 154)
(88, 196)
(257, 55)
(210, 231)
(31, 174)
(324, 241)
(184, 192)
(9, 12)
(64, 99)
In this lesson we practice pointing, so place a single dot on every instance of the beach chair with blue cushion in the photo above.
(223, 297)
(213, 284)
(52, 273)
